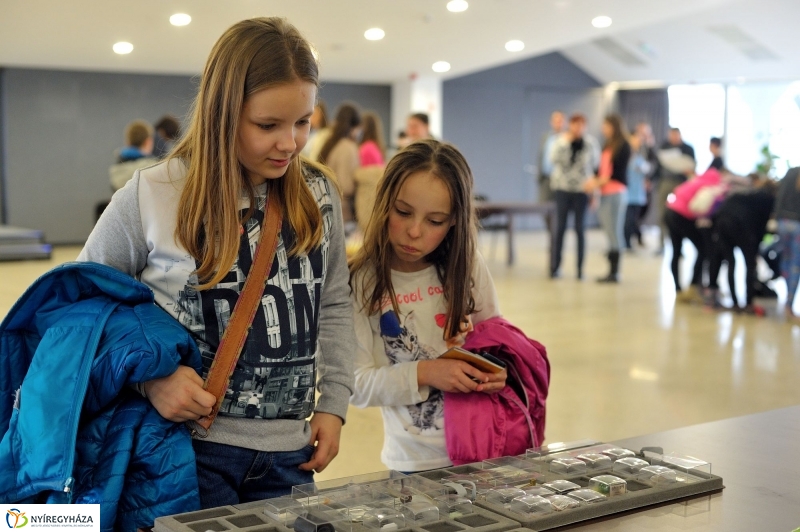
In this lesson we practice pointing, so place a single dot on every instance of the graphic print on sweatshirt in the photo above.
(402, 344)
(276, 372)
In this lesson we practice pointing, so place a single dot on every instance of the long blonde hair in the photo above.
(251, 55)
(454, 258)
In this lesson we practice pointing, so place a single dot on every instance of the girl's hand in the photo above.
(594, 202)
(180, 397)
(590, 185)
(326, 430)
(497, 381)
(454, 376)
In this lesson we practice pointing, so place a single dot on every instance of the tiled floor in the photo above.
(625, 360)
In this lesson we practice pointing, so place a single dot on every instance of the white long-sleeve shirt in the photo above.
(388, 353)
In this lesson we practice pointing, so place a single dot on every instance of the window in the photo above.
(699, 112)
(748, 116)
(759, 115)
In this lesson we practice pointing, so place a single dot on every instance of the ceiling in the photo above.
(79, 34)
(742, 41)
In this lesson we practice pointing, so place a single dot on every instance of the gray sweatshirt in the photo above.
(302, 333)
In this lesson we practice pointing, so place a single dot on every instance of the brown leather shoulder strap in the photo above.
(233, 339)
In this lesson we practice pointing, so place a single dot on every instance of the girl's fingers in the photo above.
(464, 384)
(497, 377)
(472, 371)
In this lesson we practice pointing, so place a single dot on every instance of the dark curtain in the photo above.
(648, 105)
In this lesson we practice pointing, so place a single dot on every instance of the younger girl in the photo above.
(188, 228)
(418, 286)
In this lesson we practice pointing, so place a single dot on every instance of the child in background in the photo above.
(188, 228)
(136, 154)
(418, 285)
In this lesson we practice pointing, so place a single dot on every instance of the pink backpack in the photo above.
(479, 426)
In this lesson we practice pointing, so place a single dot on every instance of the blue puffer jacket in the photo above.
(72, 430)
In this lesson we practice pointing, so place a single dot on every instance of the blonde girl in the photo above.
(188, 227)
(418, 286)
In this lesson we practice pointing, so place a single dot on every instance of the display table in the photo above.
(508, 209)
(757, 455)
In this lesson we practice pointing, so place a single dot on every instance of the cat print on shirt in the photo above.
(402, 345)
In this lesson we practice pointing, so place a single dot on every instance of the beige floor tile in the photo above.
(625, 359)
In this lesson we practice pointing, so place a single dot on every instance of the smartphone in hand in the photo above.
(484, 361)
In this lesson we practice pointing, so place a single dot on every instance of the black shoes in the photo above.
(613, 274)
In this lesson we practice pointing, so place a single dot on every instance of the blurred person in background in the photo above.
(545, 163)
(740, 221)
(319, 131)
(372, 153)
(574, 156)
(647, 144)
(136, 154)
(611, 182)
(715, 147)
(638, 168)
(417, 128)
(668, 180)
(689, 215)
(787, 214)
(168, 129)
(340, 154)
(372, 150)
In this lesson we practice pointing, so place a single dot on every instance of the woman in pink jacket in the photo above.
(683, 209)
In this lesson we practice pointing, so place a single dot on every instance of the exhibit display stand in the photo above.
(546, 488)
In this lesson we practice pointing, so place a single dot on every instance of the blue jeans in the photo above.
(233, 475)
(789, 233)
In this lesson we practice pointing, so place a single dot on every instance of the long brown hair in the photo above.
(347, 118)
(618, 136)
(454, 258)
(373, 130)
(251, 55)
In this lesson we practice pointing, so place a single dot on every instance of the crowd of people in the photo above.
(714, 209)
(351, 142)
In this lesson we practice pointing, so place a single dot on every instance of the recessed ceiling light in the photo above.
(374, 34)
(457, 6)
(180, 19)
(515, 46)
(123, 48)
(601, 22)
(441, 66)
